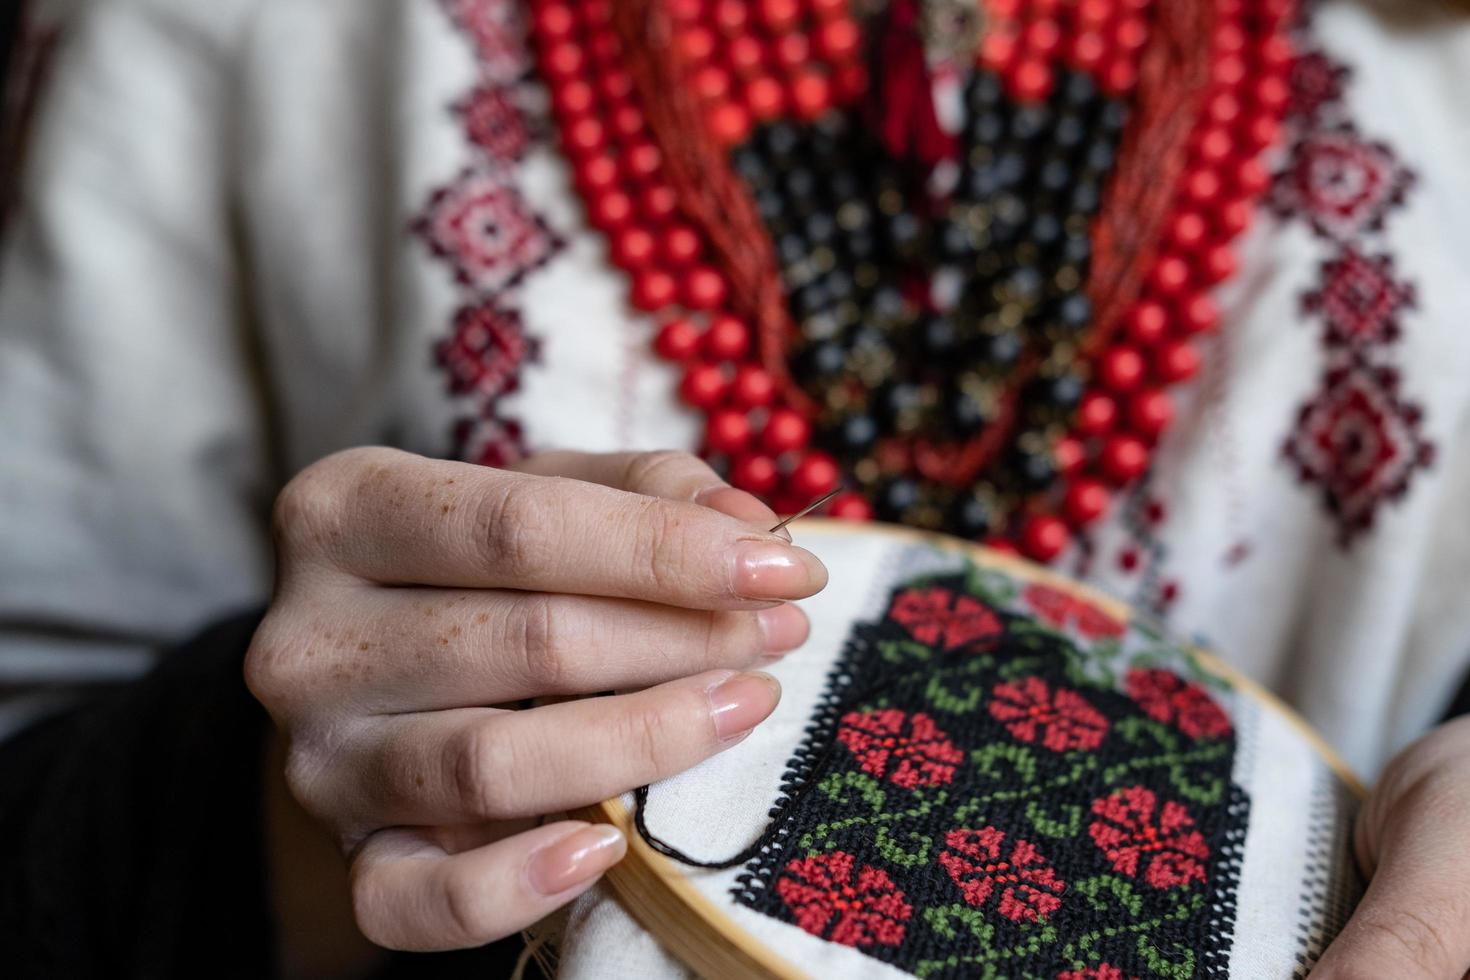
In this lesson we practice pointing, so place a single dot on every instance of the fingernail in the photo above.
(576, 858)
(742, 701)
(738, 504)
(783, 628)
(777, 571)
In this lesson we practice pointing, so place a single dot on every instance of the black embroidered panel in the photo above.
(1004, 793)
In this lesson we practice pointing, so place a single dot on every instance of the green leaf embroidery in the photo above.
(893, 852)
(903, 651)
(1122, 890)
(1159, 965)
(1049, 827)
(1022, 761)
(867, 788)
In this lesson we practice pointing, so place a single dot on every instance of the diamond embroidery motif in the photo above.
(481, 225)
(484, 354)
(493, 122)
(1359, 300)
(1342, 184)
(1359, 443)
(497, 30)
(1316, 86)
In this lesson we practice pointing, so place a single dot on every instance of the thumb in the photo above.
(1414, 919)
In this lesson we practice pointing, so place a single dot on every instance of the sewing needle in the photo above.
(806, 510)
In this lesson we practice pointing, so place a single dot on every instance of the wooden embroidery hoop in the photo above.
(655, 891)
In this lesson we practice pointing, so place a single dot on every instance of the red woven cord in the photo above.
(710, 195)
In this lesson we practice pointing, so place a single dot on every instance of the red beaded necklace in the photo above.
(651, 96)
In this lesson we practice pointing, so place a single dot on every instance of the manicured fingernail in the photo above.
(576, 858)
(783, 628)
(742, 701)
(738, 504)
(777, 571)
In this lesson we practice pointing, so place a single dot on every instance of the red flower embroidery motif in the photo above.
(483, 355)
(830, 897)
(1166, 845)
(1316, 84)
(933, 619)
(1165, 696)
(910, 751)
(494, 123)
(1341, 183)
(1063, 719)
(498, 30)
(1060, 609)
(1359, 300)
(1103, 971)
(1027, 884)
(481, 225)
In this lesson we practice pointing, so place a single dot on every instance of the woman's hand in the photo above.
(1413, 838)
(416, 596)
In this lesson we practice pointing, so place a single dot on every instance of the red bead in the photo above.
(1251, 178)
(731, 16)
(596, 173)
(1041, 38)
(703, 288)
(642, 160)
(839, 39)
(679, 245)
(779, 16)
(677, 340)
(653, 289)
(703, 386)
(711, 82)
(657, 203)
(1188, 230)
(850, 507)
(606, 49)
(554, 21)
(811, 94)
(1234, 217)
(572, 98)
(827, 9)
(632, 248)
(686, 11)
(1229, 39)
(1094, 13)
(1119, 76)
(849, 82)
(765, 98)
(792, 50)
(610, 210)
(1170, 274)
(1228, 71)
(998, 50)
(1001, 546)
(755, 474)
(726, 339)
(747, 55)
(1147, 322)
(1044, 537)
(1030, 80)
(1214, 146)
(1202, 187)
(628, 122)
(1276, 53)
(786, 430)
(696, 43)
(815, 474)
(1176, 361)
(1149, 413)
(1217, 264)
(1131, 34)
(1261, 131)
(1272, 93)
(730, 123)
(1123, 458)
(1085, 501)
(753, 386)
(1199, 314)
(585, 135)
(597, 13)
(727, 431)
(1088, 50)
(564, 59)
(1097, 413)
(1223, 109)
(1070, 454)
(1122, 368)
(615, 84)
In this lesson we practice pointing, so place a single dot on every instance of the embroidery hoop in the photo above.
(655, 891)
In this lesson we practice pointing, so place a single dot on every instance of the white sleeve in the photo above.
(136, 476)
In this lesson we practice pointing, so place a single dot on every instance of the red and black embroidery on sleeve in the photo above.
(1358, 439)
(989, 792)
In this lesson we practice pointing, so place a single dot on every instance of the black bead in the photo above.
(954, 241)
(749, 165)
(1100, 158)
(801, 186)
(810, 300)
(1025, 284)
(1046, 229)
(905, 233)
(791, 249)
(1062, 391)
(856, 434)
(861, 245)
(987, 128)
(971, 516)
(1076, 250)
(844, 185)
(938, 336)
(1010, 169)
(897, 401)
(1077, 89)
(1069, 132)
(770, 204)
(838, 285)
(1074, 311)
(1086, 197)
(783, 140)
(1054, 176)
(982, 182)
(1113, 116)
(822, 360)
(984, 91)
(895, 497)
(1000, 350)
(1033, 470)
(963, 412)
(820, 228)
(1030, 121)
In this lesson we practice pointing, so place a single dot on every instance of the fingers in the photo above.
(393, 518)
(1414, 919)
(406, 650)
(670, 475)
(409, 894)
(479, 764)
